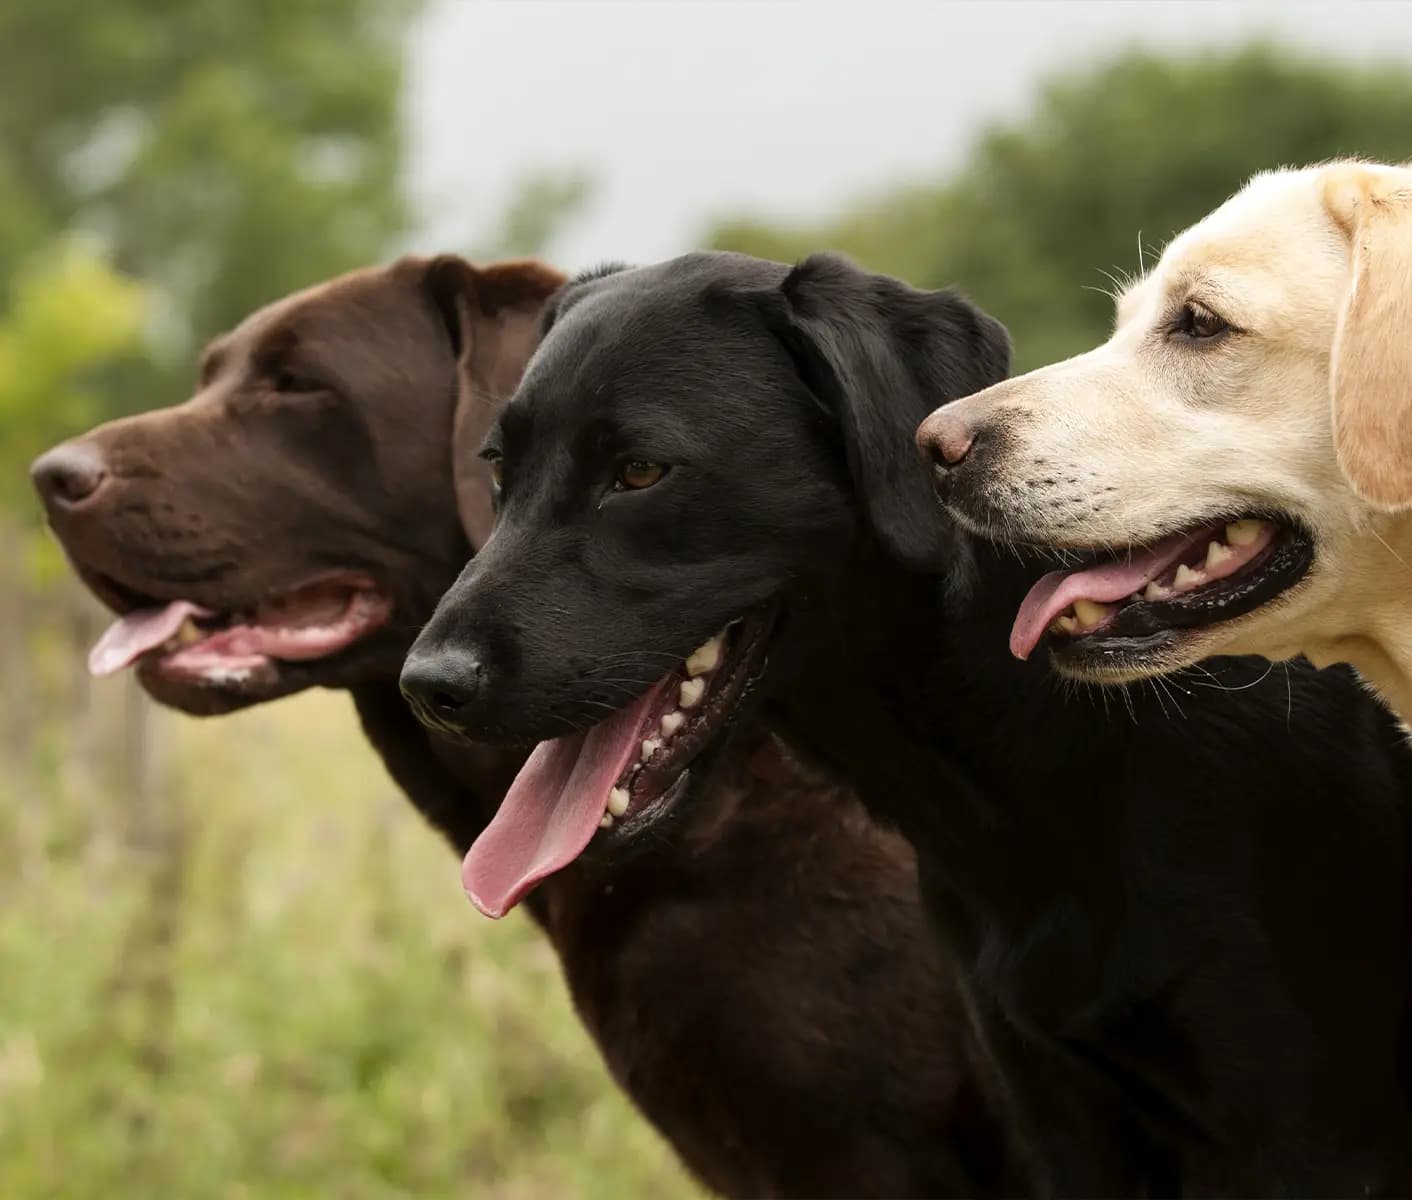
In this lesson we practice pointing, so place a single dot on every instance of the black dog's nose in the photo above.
(440, 685)
(68, 474)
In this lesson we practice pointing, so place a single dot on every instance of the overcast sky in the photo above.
(687, 109)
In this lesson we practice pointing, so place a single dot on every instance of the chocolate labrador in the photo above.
(761, 983)
(1192, 970)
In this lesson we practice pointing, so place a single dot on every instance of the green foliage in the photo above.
(225, 151)
(69, 313)
(309, 1008)
(1045, 207)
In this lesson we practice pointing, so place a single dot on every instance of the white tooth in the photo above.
(691, 692)
(618, 801)
(650, 746)
(706, 657)
(1187, 578)
(1216, 554)
(1155, 591)
(187, 634)
(1244, 533)
(671, 722)
(1064, 624)
(1090, 612)
(605, 821)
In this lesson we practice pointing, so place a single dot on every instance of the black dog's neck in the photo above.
(911, 696)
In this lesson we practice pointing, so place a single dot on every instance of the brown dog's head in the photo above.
(295, 521)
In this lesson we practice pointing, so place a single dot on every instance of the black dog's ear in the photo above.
(880, 355)
(492, 315)
(564, 298)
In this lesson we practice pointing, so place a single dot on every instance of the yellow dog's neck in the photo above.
(1369, 624)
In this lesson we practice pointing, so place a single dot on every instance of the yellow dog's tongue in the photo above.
(553, 808)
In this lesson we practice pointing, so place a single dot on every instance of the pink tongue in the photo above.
(1105, 584)
(128, 638)
(553, 808)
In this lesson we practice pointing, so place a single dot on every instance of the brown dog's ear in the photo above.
(1371, 368)
(492, 316)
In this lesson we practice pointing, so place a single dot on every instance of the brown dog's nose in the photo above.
(68, 474)
(945, 438)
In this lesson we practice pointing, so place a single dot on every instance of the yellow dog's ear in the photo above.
(1371, 369)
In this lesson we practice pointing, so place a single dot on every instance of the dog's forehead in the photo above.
(1270, 248)
(647, 337)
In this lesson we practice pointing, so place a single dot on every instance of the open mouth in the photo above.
(183, 642)
(1129, 604)
(616, 779)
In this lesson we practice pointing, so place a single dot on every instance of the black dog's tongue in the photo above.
(552, 810)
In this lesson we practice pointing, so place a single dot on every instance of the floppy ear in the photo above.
(1371, 368)
(880, 355)
(492, 316)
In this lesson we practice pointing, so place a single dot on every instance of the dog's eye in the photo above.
(292, 381)
(1199, 324)
(496, 462)
(635, 474)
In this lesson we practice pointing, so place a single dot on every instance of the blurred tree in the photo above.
(541, 206)
(224, 151)
(1133, 151)
(68, 311)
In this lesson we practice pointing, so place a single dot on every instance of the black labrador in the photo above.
(762, 984)
(1182, 918)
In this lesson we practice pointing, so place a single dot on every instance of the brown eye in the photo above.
(292, 381)
(1199, 324)
(635, 475)
(497, 473)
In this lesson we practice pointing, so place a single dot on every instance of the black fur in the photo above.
(762, 984)
(1182, 917)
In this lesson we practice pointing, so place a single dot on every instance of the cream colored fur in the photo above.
(1305, 409)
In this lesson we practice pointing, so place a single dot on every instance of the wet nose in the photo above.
(945, 438)
(68, 474)
(441, 685)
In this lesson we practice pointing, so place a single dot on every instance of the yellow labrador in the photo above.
(1231, 472)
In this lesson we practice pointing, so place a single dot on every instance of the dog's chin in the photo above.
(1209, 596)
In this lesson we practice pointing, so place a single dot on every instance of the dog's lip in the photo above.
(257, 669)
(1151, 633)
(657, 787)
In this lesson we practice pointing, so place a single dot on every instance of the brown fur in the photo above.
(763, 987)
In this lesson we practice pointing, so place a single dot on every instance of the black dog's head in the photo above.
(692, 454)
(295, 521)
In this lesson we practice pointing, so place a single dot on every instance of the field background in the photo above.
(233, 962)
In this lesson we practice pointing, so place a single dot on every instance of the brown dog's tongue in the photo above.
(553, 808)
(130, 637)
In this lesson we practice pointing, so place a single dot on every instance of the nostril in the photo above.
(68, 474)
(447, 703)
(442, 685)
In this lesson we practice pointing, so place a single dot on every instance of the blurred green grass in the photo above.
(273, 987)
